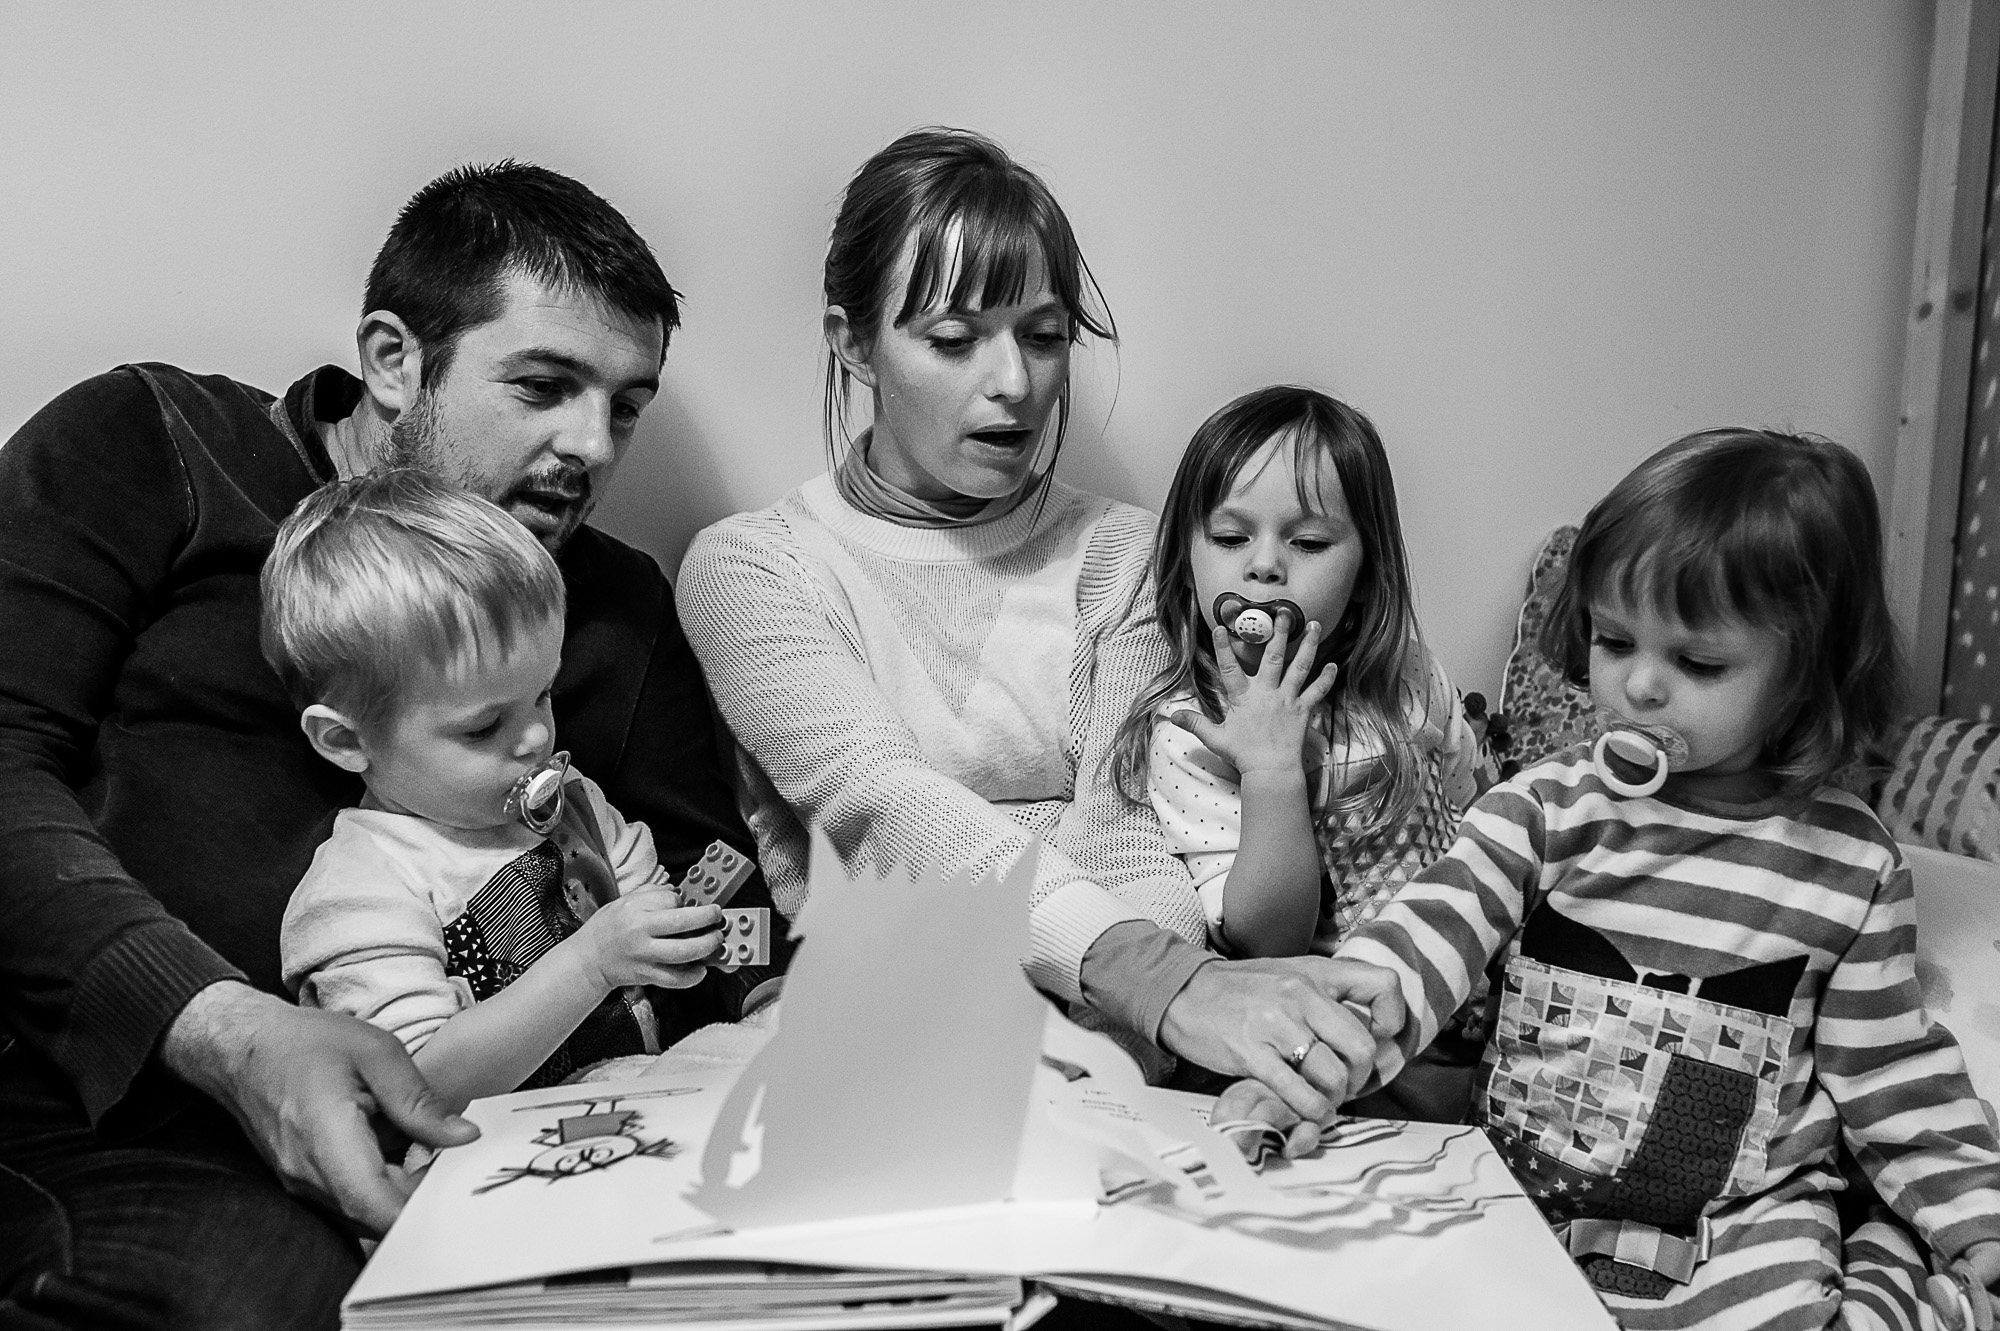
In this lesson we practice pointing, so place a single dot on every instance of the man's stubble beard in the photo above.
(419, 438)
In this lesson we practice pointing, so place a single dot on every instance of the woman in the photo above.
(927, 652)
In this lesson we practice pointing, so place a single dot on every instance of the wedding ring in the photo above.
(1296, 1059)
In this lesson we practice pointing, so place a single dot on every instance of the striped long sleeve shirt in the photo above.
(1740, 979)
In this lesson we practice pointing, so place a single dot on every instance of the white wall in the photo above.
(1534, 239)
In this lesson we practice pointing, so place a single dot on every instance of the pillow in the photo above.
(1944, 789)
(1543, 711)
(1956, 928)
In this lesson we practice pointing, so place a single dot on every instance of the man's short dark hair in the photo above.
(445, 265)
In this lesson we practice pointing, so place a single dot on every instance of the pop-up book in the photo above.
(923, 1134)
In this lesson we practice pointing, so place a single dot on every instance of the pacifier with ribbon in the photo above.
(1654, 750)
(537, 798)
(1254, 621)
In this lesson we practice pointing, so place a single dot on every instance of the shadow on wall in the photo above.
(1099, 455)
(669, 484)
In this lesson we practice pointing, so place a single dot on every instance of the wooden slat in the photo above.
(1938, 349)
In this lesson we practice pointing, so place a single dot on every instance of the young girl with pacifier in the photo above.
(1703, 943)
(1313, 755)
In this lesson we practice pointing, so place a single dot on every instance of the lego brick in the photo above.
(714, 878)
(746, 939)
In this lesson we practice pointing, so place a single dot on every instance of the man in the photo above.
(158, 802)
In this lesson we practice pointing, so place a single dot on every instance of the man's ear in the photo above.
(848, 344)
(334, 737)
(392, 361)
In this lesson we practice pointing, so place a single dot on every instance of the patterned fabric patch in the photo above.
(1368, 871)
(521, 911)
(465, 955)
(1615, 1277)
(1944, 789)
(510, 923)
(1545, 713)
(1578, 1064)
(1683, 1160)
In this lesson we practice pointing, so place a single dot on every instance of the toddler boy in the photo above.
(484, 902)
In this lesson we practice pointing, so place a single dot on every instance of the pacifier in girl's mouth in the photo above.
(537, 798)
(1254, 621)
(1659, 748)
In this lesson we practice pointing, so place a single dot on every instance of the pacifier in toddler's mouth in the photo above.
(1659, 748)
(537, 798)
(1254, 621)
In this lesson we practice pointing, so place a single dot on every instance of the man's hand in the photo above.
(303, 1084)
(1247, 1017)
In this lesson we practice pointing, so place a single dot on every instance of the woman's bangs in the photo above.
(983, 255)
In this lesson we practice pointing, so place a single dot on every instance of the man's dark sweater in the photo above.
(158, 801)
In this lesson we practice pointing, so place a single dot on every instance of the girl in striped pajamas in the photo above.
(1703, 946)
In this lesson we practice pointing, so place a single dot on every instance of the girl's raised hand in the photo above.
(1265, 715)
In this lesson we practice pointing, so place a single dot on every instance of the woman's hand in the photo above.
(1248, 1017)
(648, 937)
(1265, 715)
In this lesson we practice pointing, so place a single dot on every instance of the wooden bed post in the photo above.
(1938, 342)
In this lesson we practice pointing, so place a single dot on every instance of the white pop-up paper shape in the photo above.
(900, 1076)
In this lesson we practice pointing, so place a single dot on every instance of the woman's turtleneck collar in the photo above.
(861, 486)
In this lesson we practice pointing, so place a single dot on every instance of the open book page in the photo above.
(1391, 1226)
(937, 1116)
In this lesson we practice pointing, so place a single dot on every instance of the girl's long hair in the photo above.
(1781, 531)
(1382, 684)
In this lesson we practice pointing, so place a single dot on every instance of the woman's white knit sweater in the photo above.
(935, 696)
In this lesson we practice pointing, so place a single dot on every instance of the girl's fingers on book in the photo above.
(1257, 1122)
(1302, 1140)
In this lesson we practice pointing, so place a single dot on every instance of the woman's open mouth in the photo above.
(1009, 439)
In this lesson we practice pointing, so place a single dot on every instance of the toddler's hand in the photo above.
(648, 937)
(1982, 1261)
(1264, 716)
(1250, 1101)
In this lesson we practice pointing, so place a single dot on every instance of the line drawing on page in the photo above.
(600, 1135)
